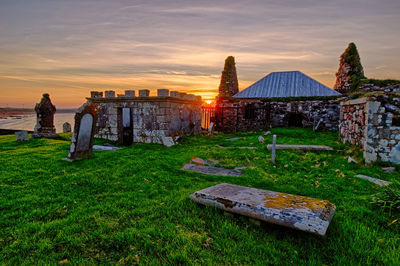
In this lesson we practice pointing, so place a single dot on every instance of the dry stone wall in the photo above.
(234, 114)
(373, 123)
(352, 124)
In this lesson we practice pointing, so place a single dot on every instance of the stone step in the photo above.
(301, 147)
(298, 212)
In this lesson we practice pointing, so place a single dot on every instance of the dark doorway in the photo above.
(295, 120)
(127, 126)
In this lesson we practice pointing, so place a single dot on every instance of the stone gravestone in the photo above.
(66, 127)
(22, 136)
(45, 119)
(82, 138)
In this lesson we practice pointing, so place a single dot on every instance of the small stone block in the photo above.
(96, 94)
(174, 94)
(22, 136)
(130, 93)
(301, 147)
(144, 93)
(162, 93)
(110, 94)
(167, 141)
(298, 212)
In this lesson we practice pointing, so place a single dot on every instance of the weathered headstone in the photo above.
(261, 139)
(298, 212)
(66, 127)
(45, 119)
(22, 136)
(82, 138)
(210, 129)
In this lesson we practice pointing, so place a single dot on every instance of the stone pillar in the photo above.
(144, 93)
(130, 93)
(162, 93)
(174, 94)
(45, 119)
(96, 94)
(110, 94)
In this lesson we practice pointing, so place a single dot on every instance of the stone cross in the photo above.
(45, 119)
(273, 148)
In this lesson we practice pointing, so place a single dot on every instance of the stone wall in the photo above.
(373, 123)
(320, 114)
(353, 121)
(234, 114)
(167, 115)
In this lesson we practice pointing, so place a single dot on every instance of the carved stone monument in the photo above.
(84, 129)
(45, 119)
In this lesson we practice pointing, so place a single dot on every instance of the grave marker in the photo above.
(82, 138)
(44, 127)
(22, 136)
(66, 127)
(298, 212)
(273, 148)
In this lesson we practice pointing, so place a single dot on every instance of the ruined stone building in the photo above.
(280, 99)
(160, 119)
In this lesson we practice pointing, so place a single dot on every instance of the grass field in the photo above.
(131, 206)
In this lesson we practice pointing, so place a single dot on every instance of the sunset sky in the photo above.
(68, 48)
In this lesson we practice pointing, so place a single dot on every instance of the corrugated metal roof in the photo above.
(286, 84)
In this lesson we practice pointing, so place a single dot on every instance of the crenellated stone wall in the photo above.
(373, 123)
(169, 114)
(233, 114)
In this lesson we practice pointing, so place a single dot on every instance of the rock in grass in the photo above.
(261, 139)
(104, 148)
(388, 170)
(351, 160)
(267, 133)
(298, 212)
(233, 139)
(168, 141)
(377, 181)
(200, 161)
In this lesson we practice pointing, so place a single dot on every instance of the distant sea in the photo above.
(27, 121)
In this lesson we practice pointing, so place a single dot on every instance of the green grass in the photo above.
(132, 205)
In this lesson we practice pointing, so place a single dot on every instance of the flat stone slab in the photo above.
(211, 170)
(301, 147)
(233, 139)
(374, 180)
(298, 212)
(104, 148)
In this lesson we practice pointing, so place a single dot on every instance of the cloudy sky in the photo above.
(68, 48)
